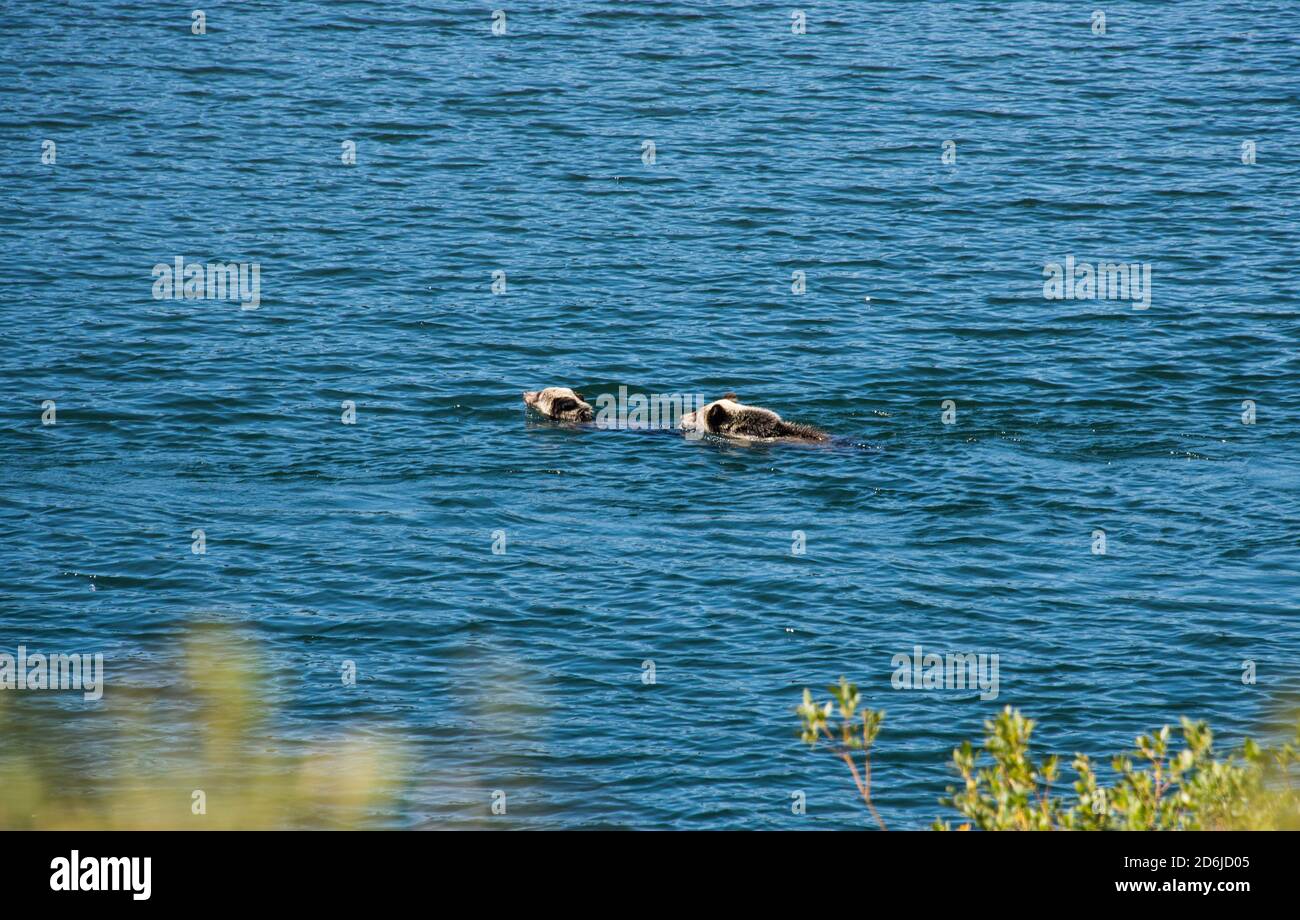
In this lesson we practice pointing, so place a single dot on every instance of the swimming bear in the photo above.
(728, 418)
(560, 403)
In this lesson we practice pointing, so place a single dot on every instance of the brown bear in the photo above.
(729, 418)
(560, 403)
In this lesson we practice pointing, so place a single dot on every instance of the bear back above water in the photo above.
(729, 418)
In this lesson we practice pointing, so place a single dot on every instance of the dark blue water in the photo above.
(774, 153)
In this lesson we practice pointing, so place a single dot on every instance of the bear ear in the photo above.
(715, 418)
(731, 396)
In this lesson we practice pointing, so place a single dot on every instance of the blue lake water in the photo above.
(774, 153)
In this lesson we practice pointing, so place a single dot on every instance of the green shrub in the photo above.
(1004, 787)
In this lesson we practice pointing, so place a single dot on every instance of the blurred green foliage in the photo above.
(199, 752)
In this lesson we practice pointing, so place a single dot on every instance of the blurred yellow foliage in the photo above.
(196, 754)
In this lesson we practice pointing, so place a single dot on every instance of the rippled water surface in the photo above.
(775, 153)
